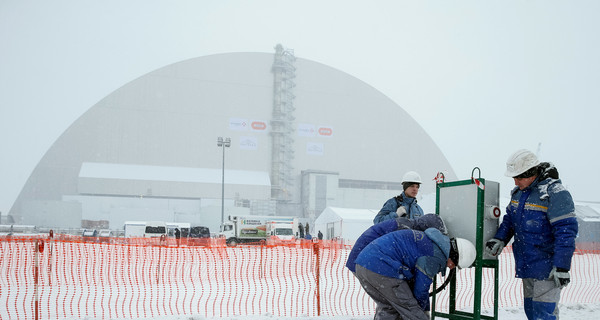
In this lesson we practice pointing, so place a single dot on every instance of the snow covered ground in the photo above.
(573, 311)
(581, 287)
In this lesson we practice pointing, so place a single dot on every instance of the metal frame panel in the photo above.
(462, 205)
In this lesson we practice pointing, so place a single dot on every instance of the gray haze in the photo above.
(483, 79)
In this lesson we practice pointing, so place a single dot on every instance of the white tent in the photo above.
(344, 223)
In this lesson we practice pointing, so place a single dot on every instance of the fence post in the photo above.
(163, 239)
(50, 247)
(39, 247)
(261, 268)
(318, 276)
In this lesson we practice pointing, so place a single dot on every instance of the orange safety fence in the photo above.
(72, 277)
(584, 287)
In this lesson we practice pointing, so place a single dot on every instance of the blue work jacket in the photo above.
(377, 230)
(388, 211)
(541, 218)
(411, 255)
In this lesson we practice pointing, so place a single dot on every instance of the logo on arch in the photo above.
(325, 131)
(258, 125)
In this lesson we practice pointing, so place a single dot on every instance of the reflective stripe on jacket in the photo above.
(541, 218)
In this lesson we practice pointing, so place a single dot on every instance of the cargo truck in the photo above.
(244, 229)
(281, 231)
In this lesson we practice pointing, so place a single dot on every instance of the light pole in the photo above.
(223, 143)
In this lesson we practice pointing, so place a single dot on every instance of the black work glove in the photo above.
(493, 247)
(560, 276)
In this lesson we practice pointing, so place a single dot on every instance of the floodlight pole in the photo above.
(223, 144)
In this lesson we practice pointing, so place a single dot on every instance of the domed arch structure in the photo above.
(149, 149)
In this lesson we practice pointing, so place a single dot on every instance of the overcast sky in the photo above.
(483, 78)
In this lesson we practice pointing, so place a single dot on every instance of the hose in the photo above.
(451, 276)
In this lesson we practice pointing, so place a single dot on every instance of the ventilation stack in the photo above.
(282, 129)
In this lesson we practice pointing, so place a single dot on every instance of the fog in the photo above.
(482, 79)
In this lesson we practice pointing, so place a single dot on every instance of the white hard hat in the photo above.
(466, 253)
(411, 176)
(519, 162)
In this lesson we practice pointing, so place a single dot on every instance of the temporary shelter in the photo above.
(588, 216)
(344, 223)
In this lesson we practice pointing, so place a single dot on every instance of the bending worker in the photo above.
(397, 269)
(421, 223)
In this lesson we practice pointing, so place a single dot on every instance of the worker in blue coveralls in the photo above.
(397, 269)
(405, 204)
(540, 218)
(421, 223)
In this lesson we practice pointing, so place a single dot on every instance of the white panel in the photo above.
(458, 209)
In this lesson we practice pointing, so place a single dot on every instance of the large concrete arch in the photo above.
(169, 119)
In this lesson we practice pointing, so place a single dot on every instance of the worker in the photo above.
(397, 269)
(541, 219)
(404, 204)
(377, 230)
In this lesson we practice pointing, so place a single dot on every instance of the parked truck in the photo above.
(240, 229)
(282, 231)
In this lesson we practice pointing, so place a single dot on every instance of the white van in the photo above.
(155, 229)
(184, 229)
(134, 229)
